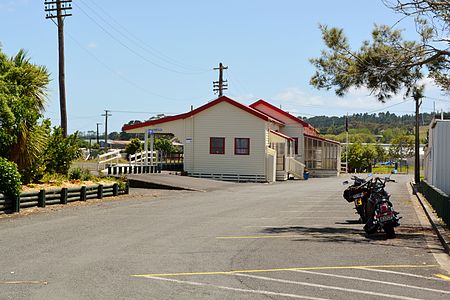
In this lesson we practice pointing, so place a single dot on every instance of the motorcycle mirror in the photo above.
(345, 182)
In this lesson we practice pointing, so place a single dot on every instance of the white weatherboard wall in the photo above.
(228, 121)
(292, 128)
(439, 156)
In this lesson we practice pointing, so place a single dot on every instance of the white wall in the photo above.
(440, 155)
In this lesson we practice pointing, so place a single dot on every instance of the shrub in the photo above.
(80, 174)
(60, 152)
(10, 184)
(134, 146)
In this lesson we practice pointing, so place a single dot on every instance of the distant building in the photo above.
(437, 155)
(227, 140)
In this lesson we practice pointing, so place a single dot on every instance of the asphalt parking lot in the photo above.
(296, 239)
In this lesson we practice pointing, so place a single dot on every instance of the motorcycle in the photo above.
(358, 193)
(382, 216)
(373, 204)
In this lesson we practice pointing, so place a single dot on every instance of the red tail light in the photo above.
(384, 208)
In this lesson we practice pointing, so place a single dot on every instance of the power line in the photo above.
(130, 82)
(59, 10)
(437, 99)
(386, 107)
(128, 48)
(139, 42)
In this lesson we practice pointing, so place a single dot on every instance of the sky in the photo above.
(140, 58)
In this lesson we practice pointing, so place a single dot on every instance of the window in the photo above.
(217, 145)
(295, 146)
(242, 146)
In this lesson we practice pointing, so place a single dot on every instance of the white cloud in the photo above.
(298, 101)
(92, 45)
(12, 5)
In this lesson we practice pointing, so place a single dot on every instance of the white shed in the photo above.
(437, 155)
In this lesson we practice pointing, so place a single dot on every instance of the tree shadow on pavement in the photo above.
(407, 236)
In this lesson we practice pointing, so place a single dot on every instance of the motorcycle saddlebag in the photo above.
(349, 192)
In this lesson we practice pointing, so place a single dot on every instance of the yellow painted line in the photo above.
(284, 269)
(23, 282)
(442, 276)
(279, 236)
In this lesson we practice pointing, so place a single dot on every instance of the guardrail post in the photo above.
(41, 198)
(15, 204)
(100, 191)
(115, 189)
(64, 193)
(83, 193)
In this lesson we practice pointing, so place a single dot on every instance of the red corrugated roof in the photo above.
(309, 129)
(246, 108)
(321, 138)
(284, 113)
(281, 134)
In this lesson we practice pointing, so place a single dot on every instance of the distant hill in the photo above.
(370, 128)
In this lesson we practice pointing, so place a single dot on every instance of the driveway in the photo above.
(296, 239)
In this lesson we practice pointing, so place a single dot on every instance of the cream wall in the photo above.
(225, 120)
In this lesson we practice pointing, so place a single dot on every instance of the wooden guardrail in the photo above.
(60, 196)
(439, 200)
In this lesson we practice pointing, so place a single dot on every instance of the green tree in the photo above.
(23, 88)
(387, 63)
(134, 146)
(402, 147)
(360, 157)
(164, 145)
(380, 153)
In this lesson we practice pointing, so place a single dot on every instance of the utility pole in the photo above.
(61, 8)
(106, 115)
(346, 144)
(221, 85)
(417, 95)
(98, 140)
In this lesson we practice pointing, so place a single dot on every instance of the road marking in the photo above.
(330, 287)
(260, 292)
(400, 273)
(311, 211)
(374, 281)
(244, 237)
(23, 282)
(296, 225)
(443, 277)
(285, 269)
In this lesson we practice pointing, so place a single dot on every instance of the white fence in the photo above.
(294, 167)
(138, 159)
(108, 157)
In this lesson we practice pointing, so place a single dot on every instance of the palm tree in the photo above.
(23, 93)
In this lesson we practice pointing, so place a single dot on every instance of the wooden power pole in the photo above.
(59, 9)
(98, 139)
(221, 85)
(106, 115)
(417, 95)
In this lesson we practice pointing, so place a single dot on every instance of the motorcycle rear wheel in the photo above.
(390, 232)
